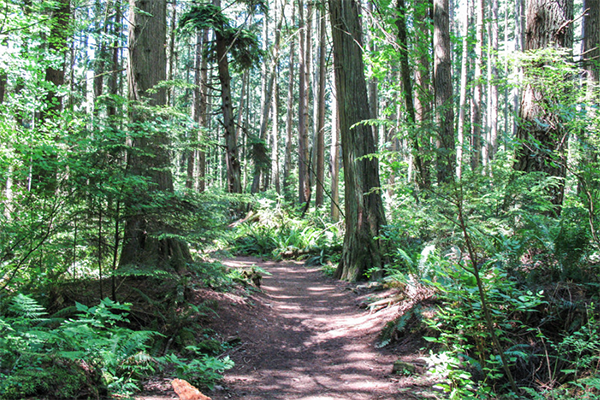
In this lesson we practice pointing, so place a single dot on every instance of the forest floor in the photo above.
(303, 335)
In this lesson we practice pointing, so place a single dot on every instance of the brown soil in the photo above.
(304, 336)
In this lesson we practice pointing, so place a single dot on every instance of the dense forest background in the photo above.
(448, 145)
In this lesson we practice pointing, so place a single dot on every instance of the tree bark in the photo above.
(113, 81)
(363, 205)
(407, 88)
(260, 147)
(424, 98)
(197, 161)
(3, 81)
(492, 144)
(478, 89)
(232, 159)
(335, 156)
(102, 53)
(172, 55)
(549, 23)
(462, 106)
(309, 82)
(541, 132)
(519, 46)
(149, 157)
(590, 48)
(303, 151)
(442, 70)
(57, 44)
(270, 71)
(204, 120)
(275, 139)
(320, 139)
(190, 181)
(287, 162)
(372, 84)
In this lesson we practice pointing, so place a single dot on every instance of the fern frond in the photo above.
(26, 307)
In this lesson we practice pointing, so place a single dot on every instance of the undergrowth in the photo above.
(534, 273)
(93, 354)
(272, 230)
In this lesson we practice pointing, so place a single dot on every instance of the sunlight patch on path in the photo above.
(321, 345)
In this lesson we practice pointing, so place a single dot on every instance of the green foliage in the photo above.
(576, 354)
(460, 321)
(273, 231)
(242, 43)
(92, 349)
(456, 381)
(526, 254)
(92, 353)
(245, 48)
(61, 379)
(398, 326)
(205, 16)
(201, 372)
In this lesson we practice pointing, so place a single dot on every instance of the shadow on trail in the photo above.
(315, 344)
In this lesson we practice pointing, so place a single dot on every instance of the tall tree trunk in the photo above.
(232, 158)
(485, 149)
(506, 103)
(242, 118)
(372, 84)
(303, 151)
(197, 160)
(287, 162)
(590, 48)
(3, 81)
(260, 147)
(190, 181)
(309, 81)
(320, 139)
(424, 98)
(102, 55)
(549, 23)
(442, 71)
(113, 81)
(462, 106)
(149, 157)
(519, 46)
(57, 45)
(307, 109)
(407, 88)
(335, 155)
(391, 137)
(270, 71)
(172, 53)
(478, 89)
(275, 140)
(8, 192)
(203, 119)
(493, 116)
(363, 205)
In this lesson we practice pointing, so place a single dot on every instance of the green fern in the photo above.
(116, 356)
(27, 307)
(393, 328)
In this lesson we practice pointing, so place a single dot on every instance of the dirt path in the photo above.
(303, 337)
(311, 341)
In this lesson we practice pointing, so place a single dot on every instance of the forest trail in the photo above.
(303, 337)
